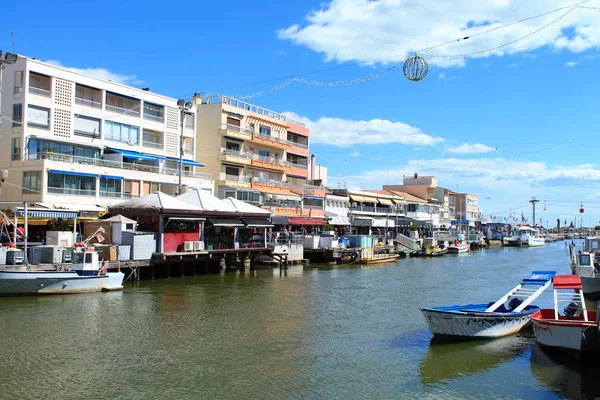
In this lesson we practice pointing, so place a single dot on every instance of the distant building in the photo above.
(464, 208)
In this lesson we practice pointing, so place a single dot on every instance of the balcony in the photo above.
(233, 180)
(116, 195)
(72, 192)
(235, 156)
(271, 141)
(39, 91)
(235, 131)
(88, 103)
(71, 159)
(153, 145)
(269, 163)
(122, 110)
(297, 170)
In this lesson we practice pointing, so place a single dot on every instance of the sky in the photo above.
(508, 110)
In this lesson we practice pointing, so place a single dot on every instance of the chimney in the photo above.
(312, 166)
(146, 89)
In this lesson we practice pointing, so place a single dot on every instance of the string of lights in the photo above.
(296, 78)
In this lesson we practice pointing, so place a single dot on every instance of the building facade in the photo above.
(375, 211)
(80, 142)
(259, 156)
(465, 207)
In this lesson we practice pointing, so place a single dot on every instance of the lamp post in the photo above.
(184, 107)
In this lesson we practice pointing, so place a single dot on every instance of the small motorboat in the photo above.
(573, 329)
(511, 313)
(585, 264)
(458, 246)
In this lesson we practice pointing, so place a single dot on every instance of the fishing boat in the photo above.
(85, 275)
(511, 313)
(530, 236)
(574, 329)
(585, 264)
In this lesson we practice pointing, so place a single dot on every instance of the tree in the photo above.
(59, 224)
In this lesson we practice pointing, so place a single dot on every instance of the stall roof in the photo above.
(157, 201)
(206, 201)
(243, 207)
(119, 218)
(226, 222)
(305, 221)
(257, 222)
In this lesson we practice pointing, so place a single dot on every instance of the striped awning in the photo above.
(37, 213)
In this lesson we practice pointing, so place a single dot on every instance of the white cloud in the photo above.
(468, 148)
(391, 30)
(513, 65)
(346, 132)
(442, 75)
(355, 153)
(101, 73)
(571, 64)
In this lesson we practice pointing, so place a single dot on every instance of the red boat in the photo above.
(573, 329)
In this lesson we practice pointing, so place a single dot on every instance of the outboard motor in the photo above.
(571, 309)
(514, 303)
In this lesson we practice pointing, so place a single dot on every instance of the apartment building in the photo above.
(375, 211)
(419, 210)
(81, 142)
(259, 156)
(465, 208)
(426, 187)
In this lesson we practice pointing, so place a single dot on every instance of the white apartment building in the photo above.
(81, 142)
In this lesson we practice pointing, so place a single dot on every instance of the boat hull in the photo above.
(458, 249)
(450, 321)
(513, 242)
(536, 241)
(14, 283)
(591, 287)
(570, 335)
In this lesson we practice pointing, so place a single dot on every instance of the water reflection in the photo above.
(565, 375)
(446, 360)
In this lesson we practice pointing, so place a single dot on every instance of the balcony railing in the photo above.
(39, 91)
(236, 128)
(115, 195)
(72, 192)
(88, 103)
(133, 110)
(153, 145)
(235, 178)
(235, 153)
(291, 164)
(68, 158)
(157, 118)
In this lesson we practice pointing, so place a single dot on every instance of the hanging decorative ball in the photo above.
(415, 68)
(581, 210)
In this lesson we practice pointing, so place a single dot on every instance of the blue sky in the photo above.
(506, 125)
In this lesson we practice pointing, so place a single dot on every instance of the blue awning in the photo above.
(57, 171)
(187, 162)
(135, 154)
(47, 213)
(313, 198)
(112, 177)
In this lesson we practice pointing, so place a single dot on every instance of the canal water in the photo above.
(311, 332)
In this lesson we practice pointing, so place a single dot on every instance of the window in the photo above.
(121, 132)
(232, 146)
(71, 184)
(264, 130)
(17, 115)
(248, 196)
(154, 112)
(110, 187)
(229, 193)
(86, 126)
(18, 81)
(412, 207)
(32, 182)
(16, 149)
(38, 116)
(232, 171)
(233, 121)
(263, 153)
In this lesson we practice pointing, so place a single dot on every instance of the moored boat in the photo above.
(458, 246)
(506, 316)
(585, 264)
(85, 275)
(574, 329)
